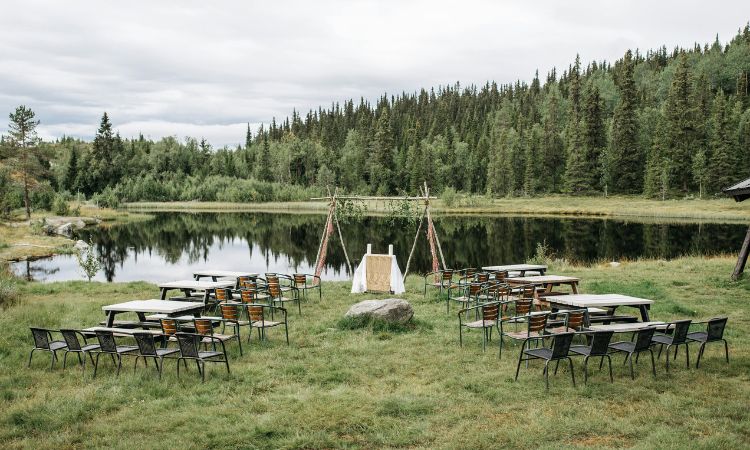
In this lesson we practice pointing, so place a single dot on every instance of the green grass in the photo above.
(354, 385)
(713, 210)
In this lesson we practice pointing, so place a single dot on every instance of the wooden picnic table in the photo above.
(519, 269)
(121, 331)
(142, 307)
(548, 282)
(188, 286)
(606, 301)
(215, 275)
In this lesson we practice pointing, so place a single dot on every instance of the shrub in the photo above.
(449, 197)
(60, 206)
(8, 287)
(88, 261)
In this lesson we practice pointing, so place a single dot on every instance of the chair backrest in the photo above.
(537, 323)
(643, 339)
(469, 271)
(600, 342)
(561, 345)
(230, 312)
(715, 329)
(223, 294)
(189, 344)
(503, 291)
(274, 289)
(41, 337)
(272, 278)
(447, 275)
(71, 339)
(146, 343)
(248, 295)
(474, 289)
(255, 313)
(482, 277)
(527, 291)
(243, 280)
(106, 341)
(680, 330)
(300, 279)
(523, 306)
(168, 326)
(249, 284)
(490, 311)
(203, 326)
(574, 318)
(501, 275)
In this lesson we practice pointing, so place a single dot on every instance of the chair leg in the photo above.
(160, 366)
(226, 362)
(520, 356)
(286, 331)
(54, 357)
(546, 375)
(96, 364)
(700, 353)
(460, 336)
(632, 374)
(178, 366)
(572, 372)
(119, 363)
(203, 371)
(726, 349)
(135, 365)
(609, 360)
(65, 359)
(667, 358)
(557, 364)
(687, 355)
(585, 369)
(31, 355)
(661, 347)
(239, 341)
(601, 361)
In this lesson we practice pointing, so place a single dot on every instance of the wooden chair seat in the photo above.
(562, 329)
(221, 337)
(265, 323)
(523, 334)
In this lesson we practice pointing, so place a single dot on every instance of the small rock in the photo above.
(65, 230)
(392, 310)
(614, 264)
(81, 245)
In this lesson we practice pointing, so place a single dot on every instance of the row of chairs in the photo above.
(275, 289)
(444, 280)
(189, 334)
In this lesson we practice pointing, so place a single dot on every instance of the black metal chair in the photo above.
(678, 337)
(307, 282)
(643, 343)
(489, 315)
(147, 349)
(108, 345)
(74, 346)
(714, 333)
(598, 346)
(43, 341)
(190, 343)
(535, 324)
(278, 296)
(560, 350)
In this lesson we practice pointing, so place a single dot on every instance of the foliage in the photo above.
(350, 210)
(60, 206)
(88, 261)
(403, 210)
(449, 197)
(543, 254)
(8, 287)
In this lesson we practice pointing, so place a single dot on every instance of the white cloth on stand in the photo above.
(359, 281)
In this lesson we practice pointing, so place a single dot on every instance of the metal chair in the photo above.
(108, 345)
(536, 324)
(466, 295)
(560, 350)
(714, 333)
(443, 280)
(147, 349)
(257, 315)
(74, 346)
(43, 341)
(307, 282)
(679, 330)
(489, 318)
(205, 327)
(573, 321)
(189, 344)
(643, 343)
(276, 292)
(598, 346)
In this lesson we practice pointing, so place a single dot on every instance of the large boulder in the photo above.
(393, 310)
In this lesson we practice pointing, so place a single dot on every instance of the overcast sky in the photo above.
(207, 68)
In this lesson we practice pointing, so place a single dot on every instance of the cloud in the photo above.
(208, 68)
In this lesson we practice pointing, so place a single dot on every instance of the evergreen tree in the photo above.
(27, 160)
(382, 162)
(70, 181)
(264, 169)
(628, 160)
(722, 146)
(681, 128)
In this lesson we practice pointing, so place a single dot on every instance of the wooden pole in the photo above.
(414, 245)
(740, 267)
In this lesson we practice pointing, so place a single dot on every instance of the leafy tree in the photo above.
(27, 161)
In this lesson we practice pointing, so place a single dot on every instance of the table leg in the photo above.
(111, 319)
(163, 293)
(142, 318)
(574, 286)
(644, 313)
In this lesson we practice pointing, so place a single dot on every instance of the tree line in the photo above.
(660, 124)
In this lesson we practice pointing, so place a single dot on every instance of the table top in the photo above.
(153, 306)
(223, 273)
(129, 331)
(598, 300)
(543, 279)
(517, 267)
(196, 284)
(627, 327)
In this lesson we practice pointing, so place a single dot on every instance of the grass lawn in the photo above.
(367, 388)
(714, 210)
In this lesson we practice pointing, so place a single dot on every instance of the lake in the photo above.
(174, 244)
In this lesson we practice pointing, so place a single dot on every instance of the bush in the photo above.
(108, 198)
(43, 197)
(449, 197)
(8, 287)
(60, 206)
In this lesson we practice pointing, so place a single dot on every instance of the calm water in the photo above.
(173, 245)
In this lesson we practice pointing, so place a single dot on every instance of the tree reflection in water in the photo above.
(175, 239)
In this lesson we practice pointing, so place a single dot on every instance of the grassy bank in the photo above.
(335, 387)
(21, 239)
(717, 210)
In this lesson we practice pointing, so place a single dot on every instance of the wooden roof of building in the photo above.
(739, 191)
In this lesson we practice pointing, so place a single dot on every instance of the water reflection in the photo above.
(173, 245)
